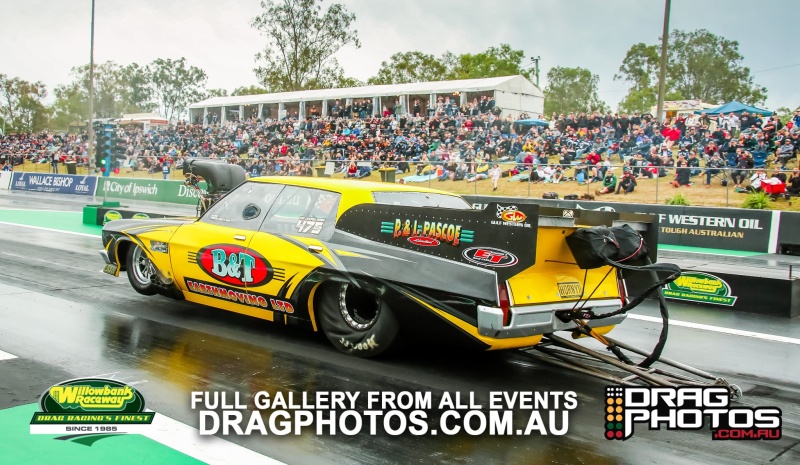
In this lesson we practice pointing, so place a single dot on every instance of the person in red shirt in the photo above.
(593, 158)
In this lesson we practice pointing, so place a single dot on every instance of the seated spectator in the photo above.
(743, 165)
(682, 175)
(793, 184)
(609, 183)
(627, 184)
(713, 167)
(558, 175)
(756, 180)
(786, 152)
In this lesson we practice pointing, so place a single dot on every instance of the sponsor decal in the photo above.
(511, 216)
(448, 233)
(54, 183)
(141, 216)
(488, 256)
(89, 406)
(700, 287)
(687, 408)
(251, 299)
(569, 287)
(309, 225)
(568, 214)
(235, 265)
(367, 344)
(424, 241)
(111, 215)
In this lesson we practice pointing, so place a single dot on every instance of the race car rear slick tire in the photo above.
(355, 320)
(140, 269)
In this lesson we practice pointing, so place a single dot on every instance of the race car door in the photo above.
(291, 241)
(210, 259)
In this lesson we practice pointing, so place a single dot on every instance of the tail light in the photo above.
(505, 303)
(623, 293)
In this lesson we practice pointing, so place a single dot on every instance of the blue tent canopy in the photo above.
(533, 122)
(734, 107)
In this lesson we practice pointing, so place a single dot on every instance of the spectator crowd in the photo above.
(451, 143)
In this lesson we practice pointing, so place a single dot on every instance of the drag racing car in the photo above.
(371, 263)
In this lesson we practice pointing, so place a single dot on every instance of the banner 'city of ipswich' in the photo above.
(54, 183)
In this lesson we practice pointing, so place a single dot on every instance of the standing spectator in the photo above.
(495, 173)
(165, 168)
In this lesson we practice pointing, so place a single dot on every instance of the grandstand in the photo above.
(514, 95)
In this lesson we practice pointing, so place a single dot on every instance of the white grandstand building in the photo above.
(513, 94)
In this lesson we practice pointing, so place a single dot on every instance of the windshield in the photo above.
(421, 199)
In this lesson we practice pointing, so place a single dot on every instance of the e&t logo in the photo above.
(687, 408)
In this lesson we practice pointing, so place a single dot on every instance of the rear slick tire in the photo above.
(356, 321)
(140, 270)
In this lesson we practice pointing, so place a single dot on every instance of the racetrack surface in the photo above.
(63, 318)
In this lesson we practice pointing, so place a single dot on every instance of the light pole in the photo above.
(663, 71)
(90, 148)
(535, 61)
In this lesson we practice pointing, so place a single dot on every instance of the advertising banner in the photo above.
(154, 190)
(54, 183)
(716, 228)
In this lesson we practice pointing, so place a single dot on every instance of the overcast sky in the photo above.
(42, 40)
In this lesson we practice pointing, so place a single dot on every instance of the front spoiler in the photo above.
(533, 320)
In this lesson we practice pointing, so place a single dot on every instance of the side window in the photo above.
(301, 211)
(244, 208)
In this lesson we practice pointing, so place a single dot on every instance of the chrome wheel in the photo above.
(359, 309)
(143, 268)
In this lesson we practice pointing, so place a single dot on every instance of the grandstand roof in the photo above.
(517, 84)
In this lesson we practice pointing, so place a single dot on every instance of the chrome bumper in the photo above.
(539, 319)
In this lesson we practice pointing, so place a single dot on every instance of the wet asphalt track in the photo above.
(64, 319)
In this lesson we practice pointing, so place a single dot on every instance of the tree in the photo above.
(117, 90)
(21, 106)
(571, 90)
(704, 66)
(494, 62)
(250, 90)
(301, 42)
(404, 67)
(640, 69)
(175, 85)
(700, 66)
(216, 93)
(420, 67)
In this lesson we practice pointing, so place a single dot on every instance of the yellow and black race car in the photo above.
(365, 262)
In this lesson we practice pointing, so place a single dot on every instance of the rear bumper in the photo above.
(539, 319)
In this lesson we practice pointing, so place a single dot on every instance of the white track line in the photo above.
(50, 229)
(208, 449)
(6, 356)
(719, 329)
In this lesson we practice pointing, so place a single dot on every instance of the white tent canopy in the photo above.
(513, 93)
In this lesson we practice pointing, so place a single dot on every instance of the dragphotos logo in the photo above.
(687, 408)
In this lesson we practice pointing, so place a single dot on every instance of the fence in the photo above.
(516, 180)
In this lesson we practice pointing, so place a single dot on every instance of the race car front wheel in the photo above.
(355, 320)
(140, 271)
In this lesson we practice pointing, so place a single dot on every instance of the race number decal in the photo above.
(308, 225)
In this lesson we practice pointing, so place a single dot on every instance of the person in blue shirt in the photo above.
(165, 169)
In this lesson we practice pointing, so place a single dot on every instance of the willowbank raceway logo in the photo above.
(90, 406)
(687, 408)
